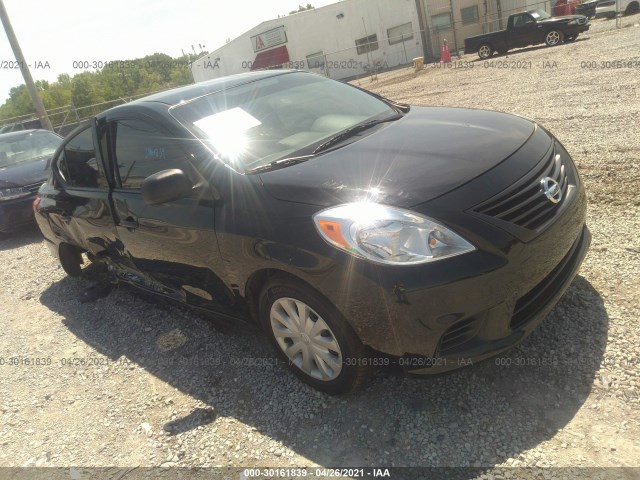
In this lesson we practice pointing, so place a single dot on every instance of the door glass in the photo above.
(80, 167)
(142, 150)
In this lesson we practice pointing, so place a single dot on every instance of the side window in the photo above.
(141, 150)
(79, 165)
(522, 20)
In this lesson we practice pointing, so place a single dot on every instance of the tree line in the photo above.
(111, 81)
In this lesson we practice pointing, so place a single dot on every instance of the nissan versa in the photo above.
(350, 227)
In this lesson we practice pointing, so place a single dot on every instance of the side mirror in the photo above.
(166, 186)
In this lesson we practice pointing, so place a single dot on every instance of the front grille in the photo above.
(524, 203)
(34, 187)
(457, 334)
(537, 299)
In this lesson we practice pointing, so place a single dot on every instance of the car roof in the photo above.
(23, 133)
(185, 94)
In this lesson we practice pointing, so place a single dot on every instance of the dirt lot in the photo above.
(125, 382)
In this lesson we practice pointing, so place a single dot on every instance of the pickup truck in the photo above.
(528, 28)
(611, 8)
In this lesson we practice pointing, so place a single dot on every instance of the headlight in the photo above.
(11, 193)
(388, 235)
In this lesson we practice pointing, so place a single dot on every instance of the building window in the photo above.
(400, 34)
(469, 15)
(315, 60)
(442, 21)
(367, 44)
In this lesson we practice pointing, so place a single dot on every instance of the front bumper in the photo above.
(577, 29)
(485, 339)
(14, 213)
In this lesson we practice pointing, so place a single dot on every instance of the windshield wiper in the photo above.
(352, 131)
(283, 162)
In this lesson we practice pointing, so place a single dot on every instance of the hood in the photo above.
(425, 154)
(24, 173)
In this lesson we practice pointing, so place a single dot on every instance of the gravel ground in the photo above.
(124, 381)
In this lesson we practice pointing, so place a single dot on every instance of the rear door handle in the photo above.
(129, 223)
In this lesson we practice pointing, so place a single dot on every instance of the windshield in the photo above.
(27, 147)
(279, 117)
(539, 14)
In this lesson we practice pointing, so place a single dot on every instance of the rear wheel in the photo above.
(553, 38)
(313, 337)
(485, 51)
(632, 8)
(71, 259)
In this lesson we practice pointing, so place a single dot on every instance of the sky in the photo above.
(55, 34)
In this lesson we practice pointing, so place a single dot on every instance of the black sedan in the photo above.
(356, 231)
(24, 157)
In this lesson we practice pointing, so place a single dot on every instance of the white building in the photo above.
(341, 40)
(355, 37)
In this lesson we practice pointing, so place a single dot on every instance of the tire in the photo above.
(323, 343)
(70, 259)
(553, 38)
(571, 38)
(632, 8)
(485, 51)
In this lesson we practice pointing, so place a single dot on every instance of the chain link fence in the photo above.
(64, 119)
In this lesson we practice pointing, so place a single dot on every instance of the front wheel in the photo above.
(312, 337)
(553, 38)
(485, 51)
(632, 8)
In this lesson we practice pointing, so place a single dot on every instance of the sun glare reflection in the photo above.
(227, 131)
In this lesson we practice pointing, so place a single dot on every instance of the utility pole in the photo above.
(453, 28)
(24, 68)
(424, 30)
(499, 5)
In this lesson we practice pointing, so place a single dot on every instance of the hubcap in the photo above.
(306, 339)
(484, 52)
(553, 38)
